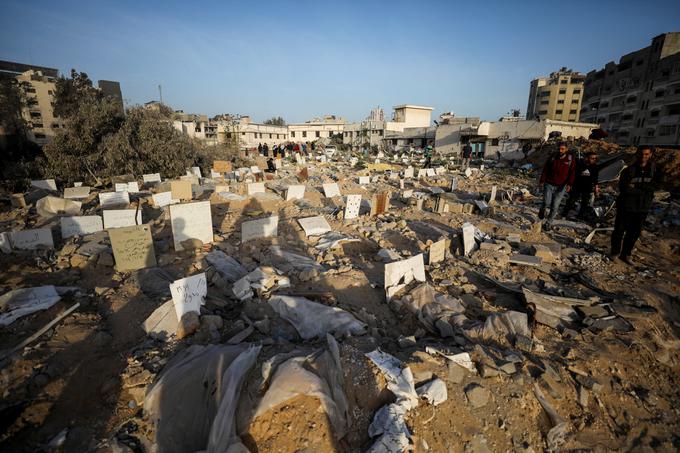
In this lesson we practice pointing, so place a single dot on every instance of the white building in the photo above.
(508, 135)
(409, 126)
(317, 128)
(249, 135)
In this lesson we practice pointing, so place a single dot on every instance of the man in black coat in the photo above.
(637, 184)
(585, 185)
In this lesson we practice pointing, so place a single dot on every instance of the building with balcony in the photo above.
(637, 100)
(557, 97)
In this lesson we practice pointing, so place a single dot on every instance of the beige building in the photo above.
(38, 111)
(410, 125)
(557, 97)
(196, 126)
(249, 135)
(317, 128)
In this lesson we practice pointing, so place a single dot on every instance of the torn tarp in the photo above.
(205, 382)
(228, 268)
(312, 319)
(24, 301)
(317, 375)
(390, 421)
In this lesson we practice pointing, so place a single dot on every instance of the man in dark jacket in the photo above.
(557, 178)
(585, 185)
(637, 184)
(467, 155)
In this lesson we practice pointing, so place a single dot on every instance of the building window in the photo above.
(30, 90)
(574, 101)
(39, 136)
(572, 112)
(36, 115)
(631, 99)
(318, 134)
(37, 125)
(546, 102)
(577, 91)
(560, 101)
(228, 134)
(494, 142)
(330, 134)
(667, 129)
(564, 80)
(545, 93)
(380, 132)
(563, 91)
(542, 112)
(654, 113)
(604, 105)
(659, 93)
(243, 134)
(558, 112)
(304, 134)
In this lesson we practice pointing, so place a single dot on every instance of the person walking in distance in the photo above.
(637, 184)
(556, 179)
(585, 185)
(467, 155)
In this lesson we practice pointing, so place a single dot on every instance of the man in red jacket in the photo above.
(557, 178)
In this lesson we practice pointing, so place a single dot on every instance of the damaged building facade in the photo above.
(506, 136)
(638, 100)
(410, 126)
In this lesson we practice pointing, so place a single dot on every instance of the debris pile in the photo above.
(325, 307)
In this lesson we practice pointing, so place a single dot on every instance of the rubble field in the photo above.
(440, 318)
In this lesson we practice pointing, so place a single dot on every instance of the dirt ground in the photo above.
(81, 386)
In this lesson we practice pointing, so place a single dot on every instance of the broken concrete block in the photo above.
(477, 395)
(526, 260)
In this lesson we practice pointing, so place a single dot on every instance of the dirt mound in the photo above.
(668, 160)
(603, 149)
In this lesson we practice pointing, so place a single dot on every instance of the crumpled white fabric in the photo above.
(24, 301)
(434, 392)
(312, 320)
(193, 401)
(390, 421)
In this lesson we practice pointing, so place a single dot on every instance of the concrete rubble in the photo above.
(338, 304)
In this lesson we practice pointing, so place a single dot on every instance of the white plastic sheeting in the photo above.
(390, 421)
(318, 375)
(24, 301)
(312, 319)
(193, 402)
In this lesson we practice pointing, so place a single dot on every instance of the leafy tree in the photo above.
(17, 151)
(70, 93)
(275, 121)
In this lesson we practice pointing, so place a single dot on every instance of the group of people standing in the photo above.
(564, 174)
(281, 150)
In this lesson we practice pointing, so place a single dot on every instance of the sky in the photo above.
(302, 59)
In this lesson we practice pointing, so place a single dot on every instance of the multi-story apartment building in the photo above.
(39, 85)
(557, 97)
(638, 100)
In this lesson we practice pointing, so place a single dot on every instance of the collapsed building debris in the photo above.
(326, 307)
